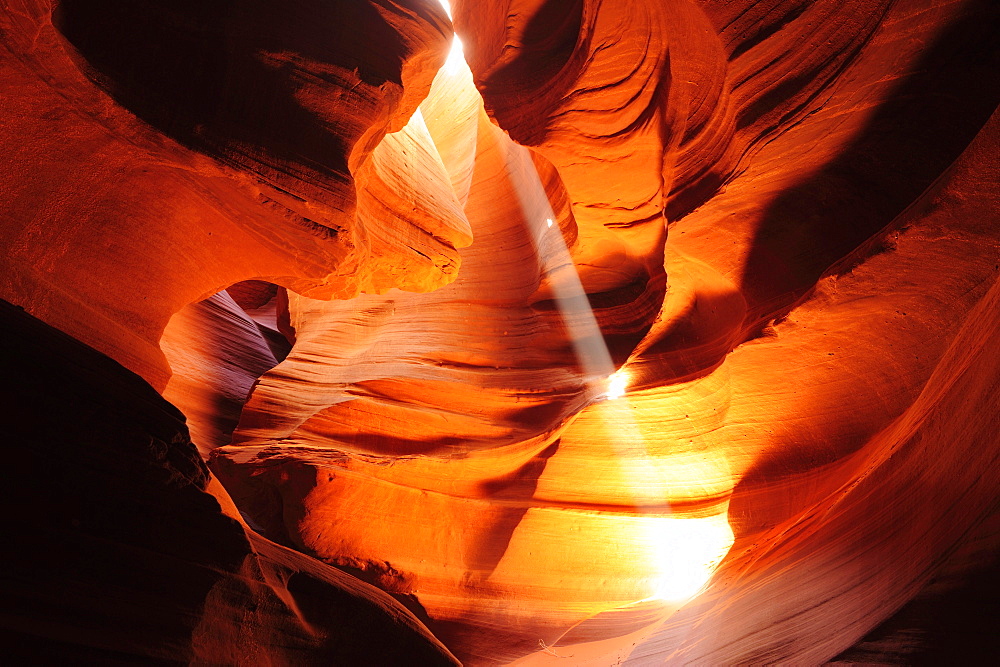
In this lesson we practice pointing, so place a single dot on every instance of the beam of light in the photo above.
(680, 554)
(418, 126)
(570, 298)
(456, 57)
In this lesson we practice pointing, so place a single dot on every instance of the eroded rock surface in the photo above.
(751, 442)
(119, 553)
(157, 153)
(153, 153)
(805, 236)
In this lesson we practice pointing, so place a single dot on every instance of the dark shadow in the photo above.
(956, 626)
(234, 79)
(111, 545)
(526, 87)
(383, 576)
(841, 215)
(512, 494)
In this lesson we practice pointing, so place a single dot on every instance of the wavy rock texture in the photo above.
(589, 87)
(751, 443)
(220, 145)
(152, 153)
(806, 234)
(217, 350)
(122, 556)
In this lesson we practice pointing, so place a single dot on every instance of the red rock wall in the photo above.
(802, 425)
(159, 153)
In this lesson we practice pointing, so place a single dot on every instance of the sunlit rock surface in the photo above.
(217, 146)
(154, 153)
(752, 442)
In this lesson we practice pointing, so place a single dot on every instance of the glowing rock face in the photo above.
(550, 506)
(254, 151)
(572, 440)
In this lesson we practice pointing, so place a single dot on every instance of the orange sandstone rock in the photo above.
(544, 451)
(157, 154)
(553, 535)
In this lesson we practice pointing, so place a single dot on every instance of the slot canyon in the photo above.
(533, 332)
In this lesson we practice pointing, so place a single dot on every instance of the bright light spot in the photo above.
(456, 57)
(617, 384)
(685, 554)
(548, 221)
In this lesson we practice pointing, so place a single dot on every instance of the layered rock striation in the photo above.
(764, 151)
(469, 367)
(119, 552)
(187, 148)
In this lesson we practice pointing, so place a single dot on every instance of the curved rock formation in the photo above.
(243, 144)
(120, 553)
(376, 384)
(751, 442)
(154, 153)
